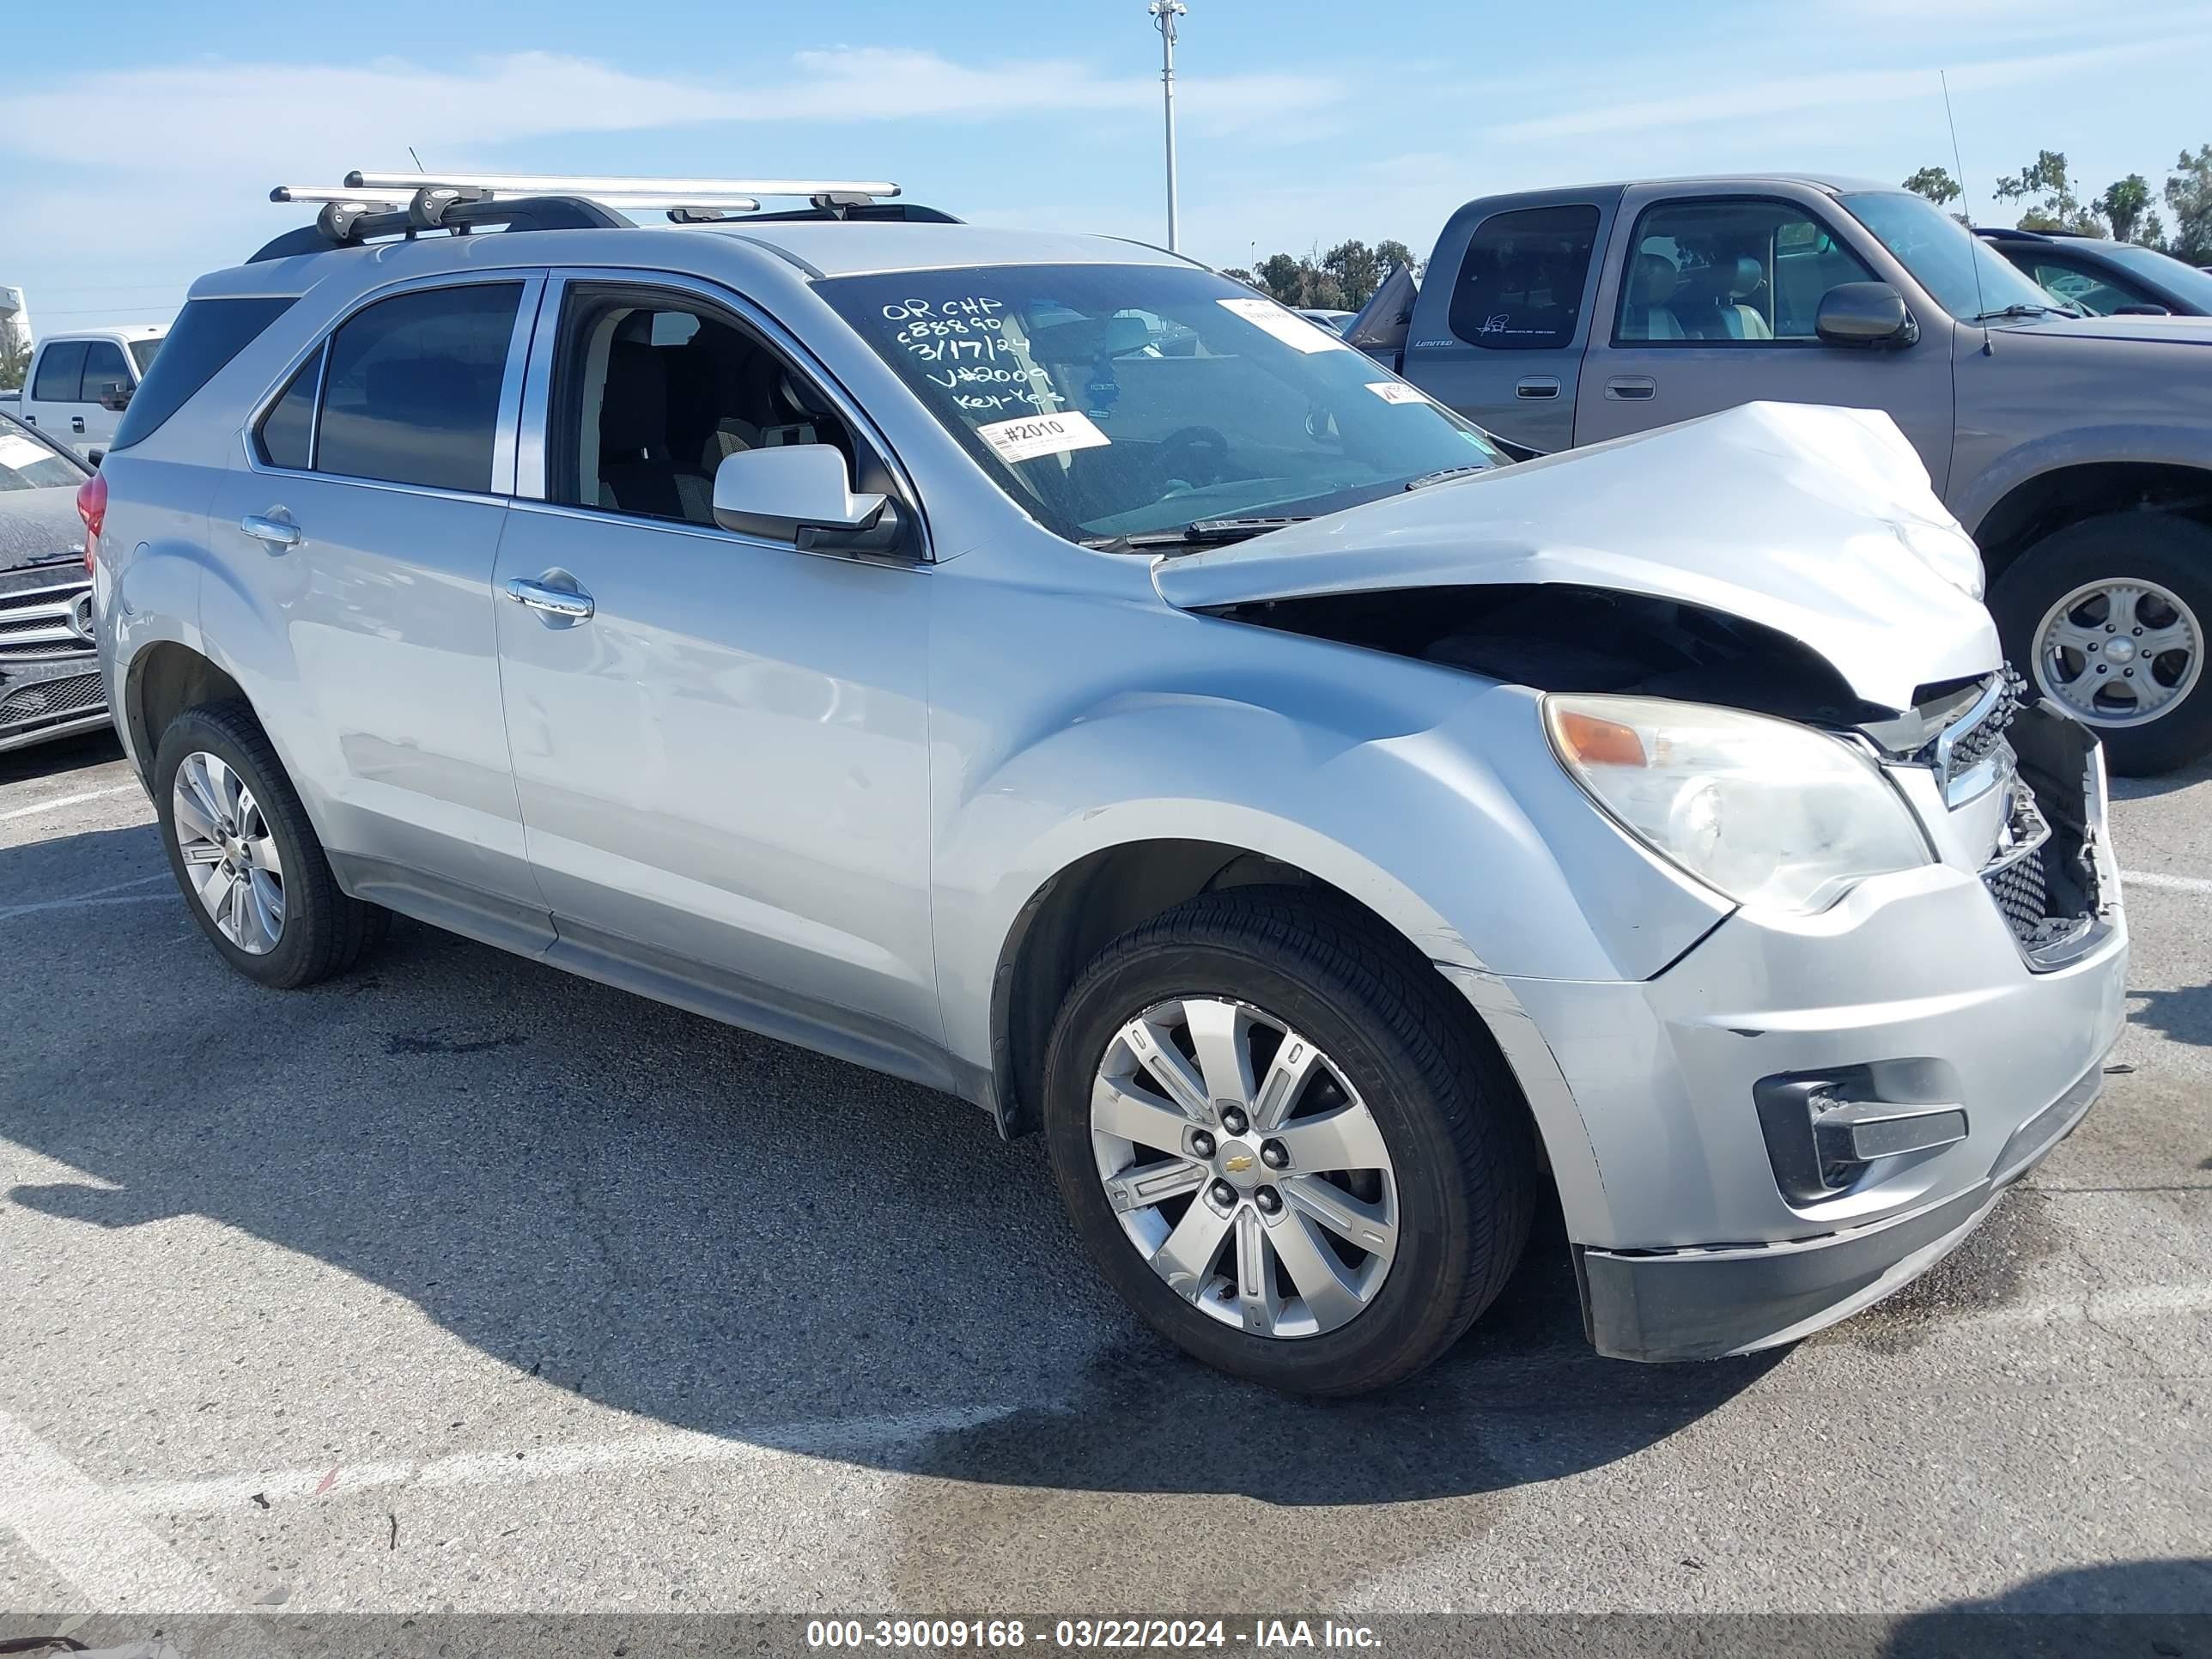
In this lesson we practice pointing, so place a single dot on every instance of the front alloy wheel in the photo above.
(230, 857)
(1244, 1168)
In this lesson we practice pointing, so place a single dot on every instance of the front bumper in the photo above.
(49, 679)
(1706, 1304)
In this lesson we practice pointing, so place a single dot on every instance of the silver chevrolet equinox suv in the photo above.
(1042, 669)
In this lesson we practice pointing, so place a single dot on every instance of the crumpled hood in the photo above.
(1819, 522)
(38, 524)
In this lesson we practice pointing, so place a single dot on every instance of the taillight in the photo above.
(92, 508)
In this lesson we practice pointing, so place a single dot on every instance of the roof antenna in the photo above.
(417, 160)
(1974, 252)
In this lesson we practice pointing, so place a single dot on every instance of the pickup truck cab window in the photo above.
(1115, 401)
(1521, 286)
(61, 372)
(1736, 270)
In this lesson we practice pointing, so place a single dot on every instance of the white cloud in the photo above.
(310, 121)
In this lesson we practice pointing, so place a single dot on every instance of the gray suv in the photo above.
(1035, 667)
(2077, 450)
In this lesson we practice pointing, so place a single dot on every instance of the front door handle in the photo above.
(569, 603)
(76, 422)
(1632, 388)
(275, 534)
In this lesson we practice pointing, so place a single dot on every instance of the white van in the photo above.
(79, 382)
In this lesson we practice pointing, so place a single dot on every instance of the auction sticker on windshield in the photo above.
(1027, 436)
(1292, 331)
(1396, 391)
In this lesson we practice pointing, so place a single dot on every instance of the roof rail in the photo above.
(370, 204)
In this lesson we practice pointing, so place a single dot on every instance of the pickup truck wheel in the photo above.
(240, 845)
(2110, 617)
(1284, 1149)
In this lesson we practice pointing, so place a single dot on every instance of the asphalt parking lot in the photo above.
(462, 1284)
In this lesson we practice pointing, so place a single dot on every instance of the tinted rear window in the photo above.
(1520, 288)
(207, 334)
(411, 392)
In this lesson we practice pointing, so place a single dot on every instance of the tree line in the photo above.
(1343, 279)
(2124, 211)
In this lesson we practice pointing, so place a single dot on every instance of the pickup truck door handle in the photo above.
(277, 535)
(76, 422)
(1537, 386)
(1632, 388)
(571, 603)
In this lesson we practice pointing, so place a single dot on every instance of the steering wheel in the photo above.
(1193, 456)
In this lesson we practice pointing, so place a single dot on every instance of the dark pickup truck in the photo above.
(2077, 450)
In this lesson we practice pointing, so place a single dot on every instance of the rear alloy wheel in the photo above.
(248, 860)
(2109, 617)
(1284, 1142)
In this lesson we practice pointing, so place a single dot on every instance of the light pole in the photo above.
(1164, 13)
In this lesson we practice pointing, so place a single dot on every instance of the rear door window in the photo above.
(411, 392)
(61, 374)
(1521, 285)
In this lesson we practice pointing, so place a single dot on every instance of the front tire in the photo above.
(2109, 618)
(1283, 1142)
(250, 867)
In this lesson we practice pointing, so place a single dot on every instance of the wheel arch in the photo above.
(2068, 492)
(1097, 897)
(165, 679)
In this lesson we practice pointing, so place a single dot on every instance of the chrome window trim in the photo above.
(707, 532)
(537, 399)
(532, 281)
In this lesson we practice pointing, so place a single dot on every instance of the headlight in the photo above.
(1773, 814)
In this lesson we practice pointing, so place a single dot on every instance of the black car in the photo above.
(50, 684)
(2106, 279)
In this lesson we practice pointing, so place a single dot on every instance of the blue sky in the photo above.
(138, 153)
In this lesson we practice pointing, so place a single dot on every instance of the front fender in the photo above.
(2140, 442)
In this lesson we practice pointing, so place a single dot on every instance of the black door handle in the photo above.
(76, 422)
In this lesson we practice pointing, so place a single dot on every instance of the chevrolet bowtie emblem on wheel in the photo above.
(1237, 1162)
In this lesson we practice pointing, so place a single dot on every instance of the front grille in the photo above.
(2019, 888)
(79, 694)
(2020, 878)
(1972, 742)
(48, 621)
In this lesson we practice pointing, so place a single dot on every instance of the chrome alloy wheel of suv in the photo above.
(1244, 1168)
(231, 856)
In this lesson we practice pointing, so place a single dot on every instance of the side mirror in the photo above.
(115, 399)
(801, 494)
(1865, 314)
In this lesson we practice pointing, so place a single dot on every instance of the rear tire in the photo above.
(1456, 1171)
(2160, 568)
(252, 823)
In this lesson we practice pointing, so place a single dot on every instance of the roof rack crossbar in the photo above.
(677, 191)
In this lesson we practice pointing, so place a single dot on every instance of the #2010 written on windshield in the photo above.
(964, 341)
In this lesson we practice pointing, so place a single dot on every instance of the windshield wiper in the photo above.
(2023, 308)
(1199, 532)
(1445, 475)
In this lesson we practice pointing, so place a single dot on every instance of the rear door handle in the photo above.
(1537, 386)
(275, 534)
(1632, 388)
(570, 603)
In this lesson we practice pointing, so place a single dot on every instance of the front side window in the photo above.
(1117, 400)
(1967, 277)
(61, 372)
(653, 391)
(1734, 271)
(1520, 288)
(411, 394)
(2186, 282)
(143, 353)
(2098, 296)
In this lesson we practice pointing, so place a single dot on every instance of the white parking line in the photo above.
(2164, 883)
(117, 894)
(661, 1449)
(60, 801)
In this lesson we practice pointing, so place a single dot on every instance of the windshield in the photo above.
(1944, 257)
(2184, 282)
(143, 353)
(1118, 400)
(26, 463)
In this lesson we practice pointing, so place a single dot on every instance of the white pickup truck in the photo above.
(79, 382)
